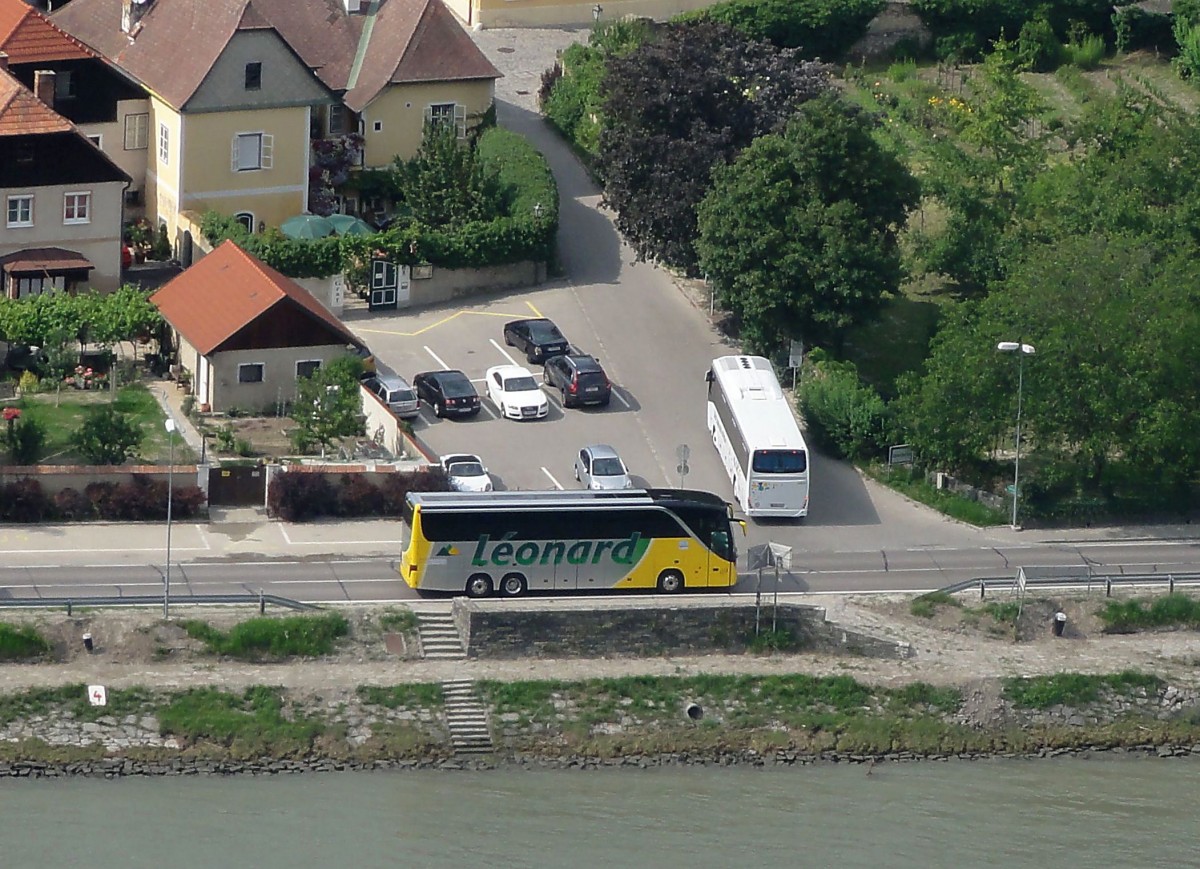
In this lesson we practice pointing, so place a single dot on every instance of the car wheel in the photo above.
(438, 409)
(546, 376)
(670, 582)
(531, 357)
(512, 585)
(479, 585)
(564, 399)
(604, 402)
(508, 339)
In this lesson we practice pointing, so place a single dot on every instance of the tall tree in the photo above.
(679, 105)
(328, 405)
(798, 234)
(445, 182)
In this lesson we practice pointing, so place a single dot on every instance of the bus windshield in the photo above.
(779, 462)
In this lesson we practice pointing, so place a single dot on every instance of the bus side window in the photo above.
(720, 543)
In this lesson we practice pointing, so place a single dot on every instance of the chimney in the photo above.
(131, 14)
(4, 60)
(43, 85)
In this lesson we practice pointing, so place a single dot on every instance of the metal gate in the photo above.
(237, 486)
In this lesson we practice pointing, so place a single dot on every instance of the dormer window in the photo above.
(254, 76)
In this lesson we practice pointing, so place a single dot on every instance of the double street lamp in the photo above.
(170, 426)
(1022, 350)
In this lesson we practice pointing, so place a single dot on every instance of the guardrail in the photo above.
(1105, 580)
(156, 600)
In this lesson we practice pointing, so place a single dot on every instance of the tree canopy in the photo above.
(675, 107)
(328, 405)
(798, 234)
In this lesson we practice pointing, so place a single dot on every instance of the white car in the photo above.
(515, 393)
(466, 472)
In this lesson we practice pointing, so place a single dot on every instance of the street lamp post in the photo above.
(1022, 350)
(170, 426)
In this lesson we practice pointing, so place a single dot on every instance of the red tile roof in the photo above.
(23, 114)
(228, 289)
(28, 36)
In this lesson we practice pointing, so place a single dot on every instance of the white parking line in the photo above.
(437, 359)
(619, 397)
(483, 407)
(556, 483)
(504, 352)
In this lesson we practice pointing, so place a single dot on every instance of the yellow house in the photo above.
(240, 89)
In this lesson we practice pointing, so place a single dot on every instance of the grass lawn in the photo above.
(64, 413)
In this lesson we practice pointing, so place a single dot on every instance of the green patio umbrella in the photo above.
(346, 224)
(306, 226)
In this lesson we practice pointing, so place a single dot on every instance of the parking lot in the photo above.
(658, 387)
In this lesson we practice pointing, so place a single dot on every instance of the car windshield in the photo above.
(457, 387)
(545, 332)
(466, 469)
(780, 462)
(607, 467)
(520, 384)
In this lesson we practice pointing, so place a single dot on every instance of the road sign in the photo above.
(796, 354)
(683, 452)
(97, 696)
(901, 454)
(758, 556)
(682, 469)
(1011, 489)
(781, 556)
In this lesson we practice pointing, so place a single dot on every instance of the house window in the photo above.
(39, 285)
(246, 219)
(77, 208)
(251, 372)
(254, 76)
(64, 85)
(20, 211)
(450, 115)
(164, 144)
(306, 368)
(337, 120)
(137, 132)
(251, 151)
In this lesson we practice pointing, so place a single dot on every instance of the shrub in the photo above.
(28, 383)
(298, 497)
(21, 642)
(843, 414)
(1086, 54)
(1038, 47)
(23, 501)
(25, 441)
(926, 605)
(819, 28)
(358, 496)
(107, 437)
(71, 504)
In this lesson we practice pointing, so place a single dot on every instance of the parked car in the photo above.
(579, 379)
(466, 472)
(394, 391)
(448, 392)
(515, 393)
(599, 467)
(23, 357)
(538, 339)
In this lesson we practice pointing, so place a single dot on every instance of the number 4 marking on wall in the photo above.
(97, 695)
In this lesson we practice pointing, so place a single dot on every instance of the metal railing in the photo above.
(69, 603)
(1071, 580)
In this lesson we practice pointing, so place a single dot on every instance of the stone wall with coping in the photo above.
(508, 629)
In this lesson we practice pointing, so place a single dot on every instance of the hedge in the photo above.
(520, 236)
(141, 499)
(301, 496)
(818, 28)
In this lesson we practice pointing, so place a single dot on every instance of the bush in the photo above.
(298, 496)
(987, 20)
(107, 437)
(843, 414)
(25, 441)
(21, 643)
(72, 505)
(28, 384)
(819, 28)
(1086, 54)
(358, 496)
(294, 636)
(1172, 610)
(23, 501)
(1038, 47)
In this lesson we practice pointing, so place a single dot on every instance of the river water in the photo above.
(1112, 813)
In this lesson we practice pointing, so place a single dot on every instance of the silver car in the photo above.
(394, 391)
(599, 467)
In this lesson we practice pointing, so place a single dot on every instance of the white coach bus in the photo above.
(757, 437)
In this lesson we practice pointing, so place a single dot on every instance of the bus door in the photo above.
(720, 551)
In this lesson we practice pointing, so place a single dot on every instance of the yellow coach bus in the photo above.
(508, 543)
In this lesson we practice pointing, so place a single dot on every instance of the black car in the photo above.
(538, 339)
(449, 393)
(579, 379)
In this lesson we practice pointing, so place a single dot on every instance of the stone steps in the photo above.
(467, 718)
(439, 637)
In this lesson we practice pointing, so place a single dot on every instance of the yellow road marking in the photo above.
(536, 312)
(440, 322)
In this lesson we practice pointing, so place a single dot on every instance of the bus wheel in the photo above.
(670, 581)
(512, 585)
(479, 585)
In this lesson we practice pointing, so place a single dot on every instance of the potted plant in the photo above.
(138, 236)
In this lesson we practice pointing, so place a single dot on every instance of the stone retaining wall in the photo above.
(504, 629)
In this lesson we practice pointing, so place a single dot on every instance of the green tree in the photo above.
(798, 234)
(328, 405)
(446, 183)
(107, 437)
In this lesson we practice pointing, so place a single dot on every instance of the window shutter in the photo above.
(460, 120)
(268, 149)
(233, 157)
